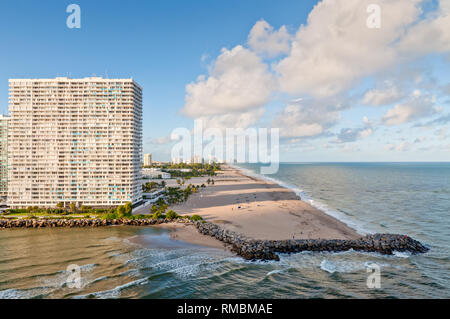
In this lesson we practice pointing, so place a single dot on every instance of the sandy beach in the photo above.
(256, 208)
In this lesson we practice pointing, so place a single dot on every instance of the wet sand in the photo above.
(188, 234)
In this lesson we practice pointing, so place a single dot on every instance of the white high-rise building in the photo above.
(74, 141)
(4, 156)
(148, 160)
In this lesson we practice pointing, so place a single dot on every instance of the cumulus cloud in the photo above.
(350, 135)
(238, 82)
(441, 120)
(347, 135)
(431, 35)
(325, 60)
(305, 119)
(233, 119)
(336, 48)
(264, 40)
(400, 147)
(378, 97)
(418, 105)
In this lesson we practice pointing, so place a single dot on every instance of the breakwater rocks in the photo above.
(51, 223)
(243, 246)
(251, 249)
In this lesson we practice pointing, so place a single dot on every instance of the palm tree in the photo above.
(73, 208)
(121, 211)
(128, 208)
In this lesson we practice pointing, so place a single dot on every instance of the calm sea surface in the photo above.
(405, 198)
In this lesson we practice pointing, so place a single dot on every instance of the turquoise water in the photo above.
(127, 262)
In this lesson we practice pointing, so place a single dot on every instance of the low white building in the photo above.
(154, 173)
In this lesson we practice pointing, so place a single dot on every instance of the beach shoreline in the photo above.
(256, 208)
(189, 234)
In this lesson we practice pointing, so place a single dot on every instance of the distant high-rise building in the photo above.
(197, 159)
(4, 156)
(74, 141)
(148, 160)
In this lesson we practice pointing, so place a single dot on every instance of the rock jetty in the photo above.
(243, 246)
(251, 249)
(52, 223)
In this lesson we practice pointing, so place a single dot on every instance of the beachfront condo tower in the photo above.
(74, 141)
(148, 160)
(3, 157)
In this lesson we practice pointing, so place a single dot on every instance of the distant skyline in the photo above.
(337, 89)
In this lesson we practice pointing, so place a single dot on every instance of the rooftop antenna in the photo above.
(106, 73)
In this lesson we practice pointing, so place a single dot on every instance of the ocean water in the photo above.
(128, 262)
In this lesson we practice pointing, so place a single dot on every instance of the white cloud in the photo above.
(420, 139)
(238, 82)
(417, 106)
(232, 120)
(401, 147)
(377, 97)
(366, 133)
(442, 120)
(350, 148)
(327, 57)
(431, 35)
(336, 47)
(347, 135)
(303, 119)
(264, 40)
(366, 120)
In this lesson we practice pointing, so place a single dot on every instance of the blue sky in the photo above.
(166, 45)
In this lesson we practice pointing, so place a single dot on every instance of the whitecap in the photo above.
(23, 294)
(328, 266)
(275, 271)
(115, 292)
(402, 254)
